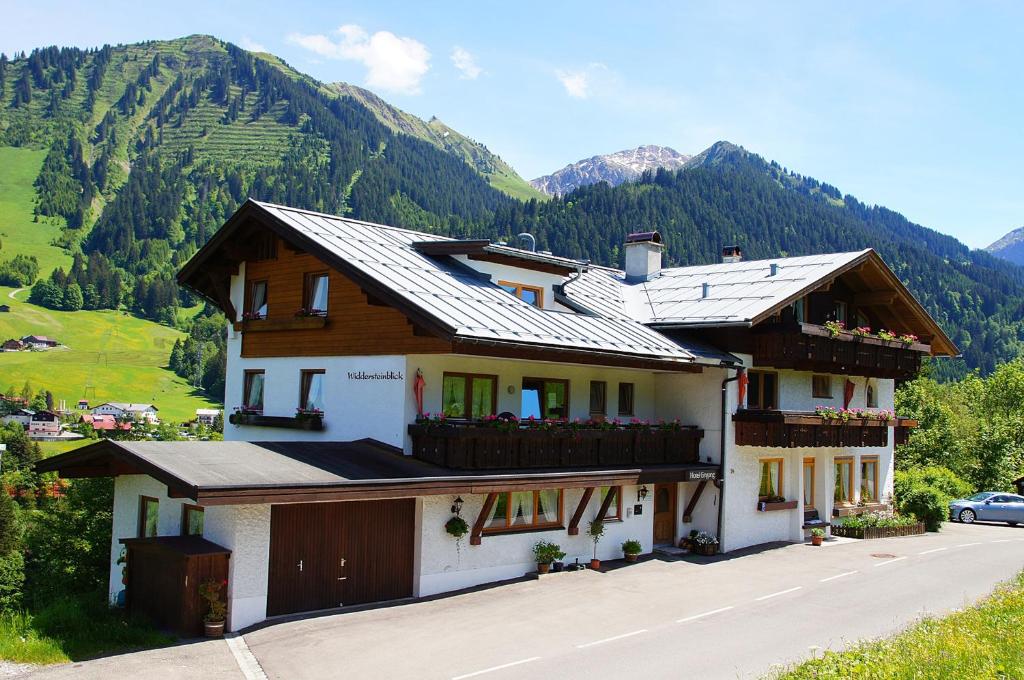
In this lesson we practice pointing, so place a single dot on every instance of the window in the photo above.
(252, 392)
(821, 386)
(149, 516)
(598, 397)
(809, 483)
(526, 510)
(625, 399)
(258, 300)
(315, 296)
(192, 520)
(311, 397)
(615, 509)
(844, 480)
(839, 311)
(799, 310)
(545, 398)
(529, 294)
(872, 395)
(466, 395)
(771, 479)
(762, 389)
(868, 480)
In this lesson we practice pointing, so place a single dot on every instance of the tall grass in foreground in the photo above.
(71, 629)
(984, 641)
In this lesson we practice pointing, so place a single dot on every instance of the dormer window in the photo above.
(533, 295)
(258, 300)
(315, 298)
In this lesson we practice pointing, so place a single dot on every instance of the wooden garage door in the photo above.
(325, 555)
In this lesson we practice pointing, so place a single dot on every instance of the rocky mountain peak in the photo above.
(614, 168)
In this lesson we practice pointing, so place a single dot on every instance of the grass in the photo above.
(73, 629)
(983, 641)
(110, 356)
(21, 236)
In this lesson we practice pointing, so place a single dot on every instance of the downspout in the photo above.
(721, 482)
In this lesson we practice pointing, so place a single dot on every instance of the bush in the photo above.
(927, 503)
(12, 580)
(546, 553)
(871, 520)
(632, 547)
(941, 478)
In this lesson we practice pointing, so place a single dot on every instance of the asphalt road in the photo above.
(656, 619)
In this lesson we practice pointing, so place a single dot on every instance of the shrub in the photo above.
(632, 547)
(944, 479)
(546, 553)
(12, 580)
(927, 503)
(880, 520)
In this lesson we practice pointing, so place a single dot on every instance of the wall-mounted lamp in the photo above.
(511, 389)
(641, 493)
(457, 505)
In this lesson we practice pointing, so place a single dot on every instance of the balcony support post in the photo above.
(475, 538)
(688, 513)
(574, 523)
(612, 492)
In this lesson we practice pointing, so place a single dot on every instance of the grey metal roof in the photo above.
(475, 309)
(737, 292)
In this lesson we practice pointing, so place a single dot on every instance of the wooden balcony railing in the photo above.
(791, 429)
(472, 446)
(809, 347)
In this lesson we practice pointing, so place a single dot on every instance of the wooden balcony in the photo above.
(807, 347)
(791, 429)
(472, 446)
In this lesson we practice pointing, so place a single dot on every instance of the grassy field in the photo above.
(110, 356)
(21, 236)
(983, 641)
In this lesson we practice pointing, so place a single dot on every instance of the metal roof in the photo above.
(706, 295)
(471, 307)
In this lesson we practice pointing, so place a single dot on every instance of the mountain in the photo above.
(498, 172)
(1010, 247)
(614, 168)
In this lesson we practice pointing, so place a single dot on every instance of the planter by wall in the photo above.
(877, 532)
(313, 423)
(762, 506)
(707, 550)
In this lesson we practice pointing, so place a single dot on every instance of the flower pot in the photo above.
(630, 557)
(816, 540)
(543, 567)
(213, 629)
(558, 567)
(595, 564)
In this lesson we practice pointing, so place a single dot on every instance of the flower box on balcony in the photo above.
(297, 323)
(766, 506)
(313, 423)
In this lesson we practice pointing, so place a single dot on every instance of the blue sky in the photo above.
(915, 106)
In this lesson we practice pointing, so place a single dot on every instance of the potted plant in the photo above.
(817, 536)
(631, 549)
(704, 543)
(595, 531)
(545, 553)
(216, 609)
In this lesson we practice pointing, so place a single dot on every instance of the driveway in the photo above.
(657, 619)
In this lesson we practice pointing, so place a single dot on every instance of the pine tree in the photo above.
(73, 299)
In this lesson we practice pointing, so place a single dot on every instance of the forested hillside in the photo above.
(150, 147)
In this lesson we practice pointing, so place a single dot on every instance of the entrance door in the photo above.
(325, 555)
(664, 513)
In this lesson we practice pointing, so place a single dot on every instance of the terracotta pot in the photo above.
(630, 557)
(595, 564)
(213, 629)
(816, 540)
(543, 568)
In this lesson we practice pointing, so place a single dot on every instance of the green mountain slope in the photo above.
(491, 166)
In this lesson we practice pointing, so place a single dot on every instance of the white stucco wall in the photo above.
(443, 567)
(528, 277)
(696, 399)
(243, 529)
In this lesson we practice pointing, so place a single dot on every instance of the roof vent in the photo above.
(643, 256)
(705, 289)
(773, 269)
(731, 254)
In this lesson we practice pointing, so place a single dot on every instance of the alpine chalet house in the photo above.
(381, 381)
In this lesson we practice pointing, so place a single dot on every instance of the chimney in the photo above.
(643, 256)
(731, 254)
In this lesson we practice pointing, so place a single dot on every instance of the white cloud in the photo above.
(393, 63)
(466, 63)
(594, 79)
(247, 43)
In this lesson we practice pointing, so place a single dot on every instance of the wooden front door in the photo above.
(325, 555)
(664, 513)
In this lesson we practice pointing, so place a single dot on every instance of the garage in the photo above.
(326, 555)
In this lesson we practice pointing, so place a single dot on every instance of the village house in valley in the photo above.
(528, 393)
(127, 411)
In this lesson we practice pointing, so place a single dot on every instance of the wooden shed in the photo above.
(163, 577)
